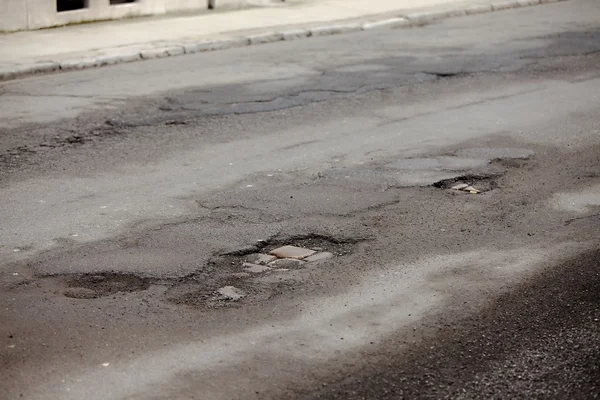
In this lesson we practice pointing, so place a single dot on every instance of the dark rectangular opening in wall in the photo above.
(116, 2)
(70, 5)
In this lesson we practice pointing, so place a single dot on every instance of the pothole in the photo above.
(337, 245)
(469, 183)
(407, 172)
(480, 181)
(236, 278)
(316, 242)
(217, 280)
(91, 286)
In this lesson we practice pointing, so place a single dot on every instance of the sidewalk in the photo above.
(105, 43)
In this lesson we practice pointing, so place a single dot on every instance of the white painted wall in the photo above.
(182, 5)
(35, 14)
(13, 14)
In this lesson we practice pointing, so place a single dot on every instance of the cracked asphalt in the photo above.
(132, 195)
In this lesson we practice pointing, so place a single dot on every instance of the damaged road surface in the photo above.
(400, 213)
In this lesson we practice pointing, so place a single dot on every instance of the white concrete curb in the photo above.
(385, 23)
(267, 37)
(216, 45)
(426, 17)
(119, 56)
(294, 34)
(335, 29)
(478, 9)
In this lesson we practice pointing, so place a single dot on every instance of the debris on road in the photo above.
(292, 252)
(319, 257)
(460, 186)
(261, 259)
(255, 268)
(286, 263)
(231, 293)
(464, 187)
(471, 189)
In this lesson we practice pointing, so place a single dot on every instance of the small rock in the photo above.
(471, 189)
(292, 252)
(460, 186)
(319, 257)
(80, 293)
(231, 293)
(286, 263)
(261, 259)
(255, 268)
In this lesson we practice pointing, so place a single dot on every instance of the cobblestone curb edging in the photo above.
(334, 28)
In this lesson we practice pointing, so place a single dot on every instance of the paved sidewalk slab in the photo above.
(100, 44)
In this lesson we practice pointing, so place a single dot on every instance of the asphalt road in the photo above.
(131, 194)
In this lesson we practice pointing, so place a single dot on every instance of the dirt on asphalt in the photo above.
(132, 271)
(514, 211)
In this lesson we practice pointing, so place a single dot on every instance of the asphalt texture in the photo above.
(540, 340)
(133, 195)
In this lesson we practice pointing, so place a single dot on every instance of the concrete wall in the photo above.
(35, 14)
(13, 15)
(180, 5)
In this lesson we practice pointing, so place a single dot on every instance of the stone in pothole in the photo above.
(292, 252)
(255, 268)
(261, 259)
(319, 257)
(231, 293)
(286, 263)
(460, 186)
(471, 189)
